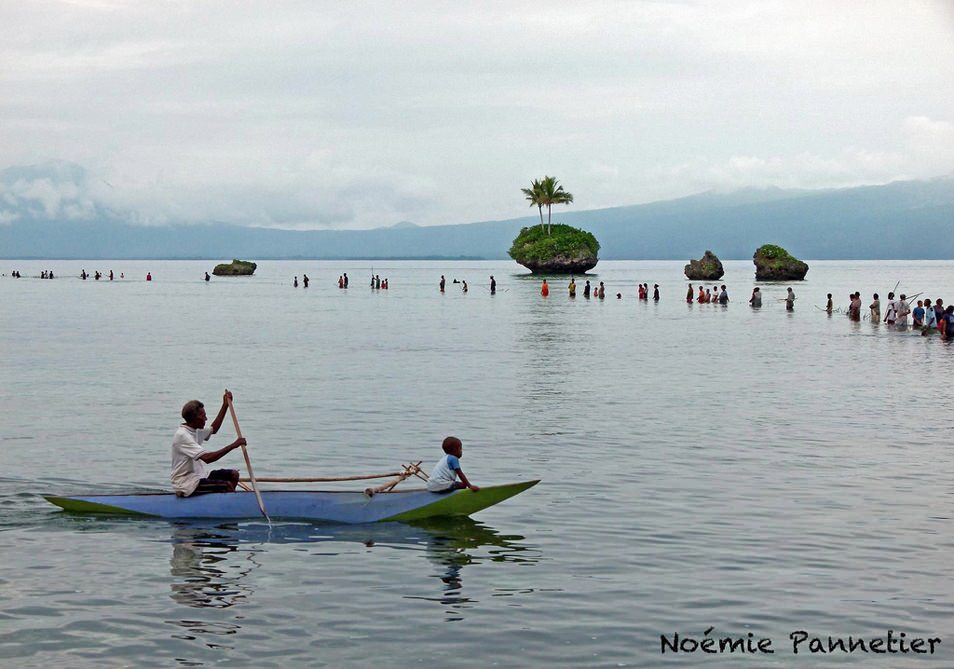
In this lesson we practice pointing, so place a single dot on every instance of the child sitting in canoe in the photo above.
(446, 473)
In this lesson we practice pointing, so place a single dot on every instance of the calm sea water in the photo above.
(755, 471)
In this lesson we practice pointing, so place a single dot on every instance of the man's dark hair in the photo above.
(191, 409)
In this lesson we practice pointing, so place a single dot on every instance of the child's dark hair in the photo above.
(450, 443)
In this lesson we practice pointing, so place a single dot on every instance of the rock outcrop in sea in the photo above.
(707, 268)
(235, 268)
(773, 263)
(558, 250)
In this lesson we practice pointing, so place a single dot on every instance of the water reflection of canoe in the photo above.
(211, 559)
(329, 506)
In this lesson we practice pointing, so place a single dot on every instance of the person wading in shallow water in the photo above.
(854, 307)
(891, 313)
(756, 299)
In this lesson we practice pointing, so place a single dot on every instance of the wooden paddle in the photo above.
(248, 463)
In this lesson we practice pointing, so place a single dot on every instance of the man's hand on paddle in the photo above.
(214, 456)
(219, 417)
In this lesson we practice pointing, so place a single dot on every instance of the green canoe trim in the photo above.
(81, 506)
(464, 502)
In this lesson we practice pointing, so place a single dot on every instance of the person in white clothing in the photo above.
(930, 318)
(447, 471)
(903, 310)
(189, 476)
(891, 312)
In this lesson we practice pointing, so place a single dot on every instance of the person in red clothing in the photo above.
(545, 289)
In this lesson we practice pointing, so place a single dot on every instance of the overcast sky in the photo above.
(353, 114)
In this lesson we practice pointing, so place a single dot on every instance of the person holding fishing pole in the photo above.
(189, 475)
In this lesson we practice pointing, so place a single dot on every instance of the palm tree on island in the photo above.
(535, 197)
(546, 192)
(551, 250)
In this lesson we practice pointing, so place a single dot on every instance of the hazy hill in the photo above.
(903, 220)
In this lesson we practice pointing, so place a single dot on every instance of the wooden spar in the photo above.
(409, 470)
(320, 479)
(248, 463)
(412, 469)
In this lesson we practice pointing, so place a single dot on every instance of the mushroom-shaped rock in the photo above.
(773, 263)
(707, 268)
(561, 250)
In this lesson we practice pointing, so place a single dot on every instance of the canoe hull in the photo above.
(328, 506)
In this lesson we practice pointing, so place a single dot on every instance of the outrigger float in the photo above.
(371, 505)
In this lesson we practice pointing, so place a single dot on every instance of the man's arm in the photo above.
(463, 479)
(217, 423)
(209, 458)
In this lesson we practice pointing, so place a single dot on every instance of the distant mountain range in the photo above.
(900, 220)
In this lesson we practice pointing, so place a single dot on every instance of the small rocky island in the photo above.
(562, 250)
(235, 268)
(773, 263)
(707, 268)
(553, 249)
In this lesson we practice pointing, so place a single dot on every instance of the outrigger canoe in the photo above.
(327, 506)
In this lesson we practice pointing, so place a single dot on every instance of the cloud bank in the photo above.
(350, 115)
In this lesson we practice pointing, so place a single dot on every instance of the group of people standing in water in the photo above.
(927, 315)
(707, 296)
(96, 276)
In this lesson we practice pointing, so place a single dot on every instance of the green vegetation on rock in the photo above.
(773, 263)
(707, 268)
(772, 251)
(235, 268)
(563, 249)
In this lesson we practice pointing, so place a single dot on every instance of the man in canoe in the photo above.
(189, 476)
(447, 471)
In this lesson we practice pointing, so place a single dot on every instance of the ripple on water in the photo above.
(753, 471)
